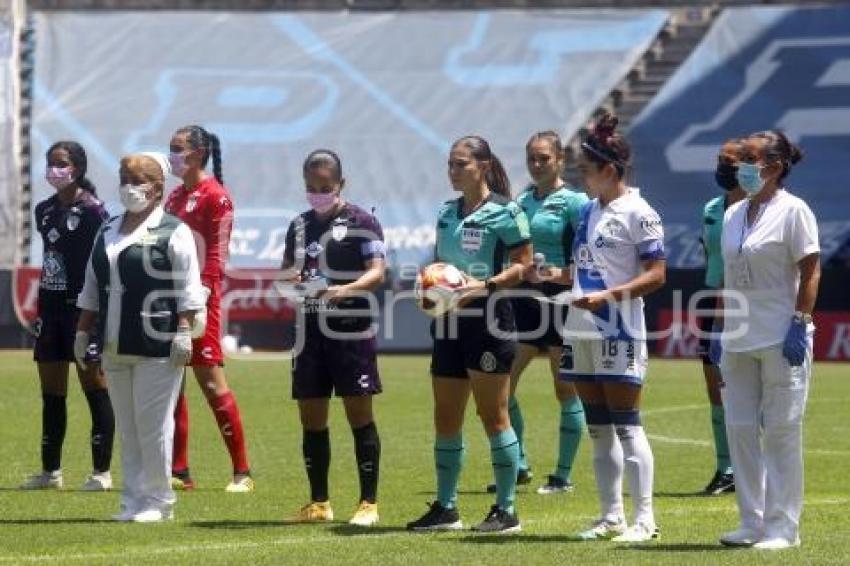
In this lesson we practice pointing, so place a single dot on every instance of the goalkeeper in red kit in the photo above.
(203, 203)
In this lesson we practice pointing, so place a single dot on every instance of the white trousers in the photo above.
(764, 399)
(144, 392)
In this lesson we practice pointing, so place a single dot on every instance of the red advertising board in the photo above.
(247, 295)
(832, 337)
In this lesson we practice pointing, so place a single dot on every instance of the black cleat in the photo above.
(523, 477)
(498, 521)
(555, 485)
(438, 518)
(720, 484)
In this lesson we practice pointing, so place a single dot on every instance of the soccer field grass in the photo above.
(212, 527)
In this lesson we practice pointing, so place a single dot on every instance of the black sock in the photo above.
(54, 420)
(316, 448)
(102, 428)
(367, 448)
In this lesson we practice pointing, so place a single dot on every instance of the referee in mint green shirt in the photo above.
(553, 211)
(712, 227)
(484, 234)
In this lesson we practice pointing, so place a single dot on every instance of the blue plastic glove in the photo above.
(796, 343)
(715, 350)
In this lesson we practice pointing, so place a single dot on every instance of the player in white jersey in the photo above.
(771, 260)
(618, 256)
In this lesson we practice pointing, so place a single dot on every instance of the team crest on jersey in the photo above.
(191, 203)
(314, 249)
(338, 231)
(53, 235)
(72, 221)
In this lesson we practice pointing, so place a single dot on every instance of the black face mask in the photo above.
(725, 175)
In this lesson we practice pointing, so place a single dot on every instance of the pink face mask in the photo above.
(178, 164)
(60, 177)
(322, 202)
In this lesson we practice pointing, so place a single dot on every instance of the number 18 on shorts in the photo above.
(601, 360)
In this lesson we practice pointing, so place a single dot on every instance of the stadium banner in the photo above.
(11, 17)
(388, 91)
(680, 337)
(757, 68)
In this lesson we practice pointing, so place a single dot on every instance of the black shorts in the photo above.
(348, 368)
(55, 329)
(705, 323)
(473, 346)
(537, 322)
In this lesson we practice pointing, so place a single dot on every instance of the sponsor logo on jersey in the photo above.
(314, 249)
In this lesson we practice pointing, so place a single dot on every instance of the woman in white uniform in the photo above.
(771, 262)
(142, 288)
(618, 258)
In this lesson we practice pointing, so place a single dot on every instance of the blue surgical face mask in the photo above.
(749, 177)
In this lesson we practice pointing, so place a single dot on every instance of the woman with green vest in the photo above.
(142, 289)
(723, 480)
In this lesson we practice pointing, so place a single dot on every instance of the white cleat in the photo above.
(98, 481)
(777, 543)
(639, 532)
(741, 537)
(124, 516)
(44, 480)
(602, 529)
(152, 516)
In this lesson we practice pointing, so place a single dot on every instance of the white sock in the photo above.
(640, 468)
(608, 468)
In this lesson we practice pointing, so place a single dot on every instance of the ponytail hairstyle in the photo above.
(605, 145)
(496, 177)
(319, 158)
(77, 156)
(199, 138)
(777, 147)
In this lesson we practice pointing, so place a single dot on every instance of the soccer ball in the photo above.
(436, 288)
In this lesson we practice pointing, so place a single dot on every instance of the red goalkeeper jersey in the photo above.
(208, 210)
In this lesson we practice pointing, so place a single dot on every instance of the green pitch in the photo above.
(212, 527)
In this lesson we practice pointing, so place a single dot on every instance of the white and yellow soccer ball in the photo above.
(436, 288)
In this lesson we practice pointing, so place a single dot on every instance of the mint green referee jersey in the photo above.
(553, 221)
(712, 228)
(478, 244)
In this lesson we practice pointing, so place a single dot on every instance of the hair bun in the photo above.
(605, 127)
(796, 154)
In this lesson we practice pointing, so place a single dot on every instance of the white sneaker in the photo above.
(98, 481)
(777, 543)
(639, 532)
(152, 516)
(602, 529)
(44, 480)
(741, 537)
(124, 516)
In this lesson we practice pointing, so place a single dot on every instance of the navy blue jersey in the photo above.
(68, 233)
(337, 248)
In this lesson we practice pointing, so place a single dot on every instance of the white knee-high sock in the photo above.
(608, 468)
(640, 468)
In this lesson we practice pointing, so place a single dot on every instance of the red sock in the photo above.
(180, 458)
(230, 424)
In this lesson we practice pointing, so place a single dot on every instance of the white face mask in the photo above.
(134, 197)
